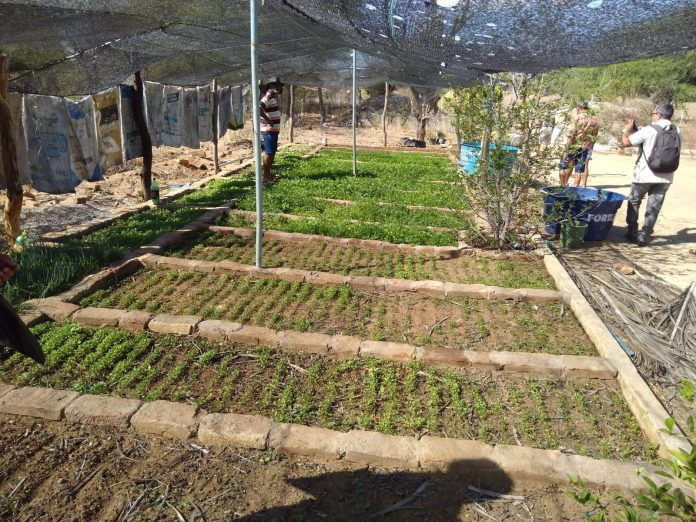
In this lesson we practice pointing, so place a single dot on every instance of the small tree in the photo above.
(502, 193)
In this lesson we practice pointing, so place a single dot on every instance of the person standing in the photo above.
(270, 125)
(588, 136)
(575, 154)
(658, 158)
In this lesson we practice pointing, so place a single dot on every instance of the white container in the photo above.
(324, 141)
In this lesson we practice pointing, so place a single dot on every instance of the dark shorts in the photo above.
(270, 143)
(577, 156)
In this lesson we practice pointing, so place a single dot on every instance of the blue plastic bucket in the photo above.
(471, 151)
(595, 207)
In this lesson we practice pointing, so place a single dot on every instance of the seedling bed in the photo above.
(410, 399)
(522, 272)
(409, 317)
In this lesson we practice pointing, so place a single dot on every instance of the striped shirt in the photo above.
(270, 104)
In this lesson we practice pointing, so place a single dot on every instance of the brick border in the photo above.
(183, 422)
(366, 283)
(646, 408)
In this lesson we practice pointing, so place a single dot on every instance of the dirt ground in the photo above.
(57, 471)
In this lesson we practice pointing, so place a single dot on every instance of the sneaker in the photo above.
(632, 236)
(643, 238)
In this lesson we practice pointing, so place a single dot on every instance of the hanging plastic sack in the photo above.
(132, 143)
(108, 129)
(205, 114)
(17, 110)
(153, 108)
(189, 129)
(172, 115)
(224, 110)
(237, 116)
(48, 145)
(82, 137)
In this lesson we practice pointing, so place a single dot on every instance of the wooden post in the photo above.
(216, 161)
(384, 112)
(145, 139)
(322, 111)
(291, 115)
(15, 194)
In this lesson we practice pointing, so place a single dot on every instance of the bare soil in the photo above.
(409, 317)
(150, 478)
(522, 272)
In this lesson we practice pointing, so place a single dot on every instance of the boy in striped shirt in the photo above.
(270, 125)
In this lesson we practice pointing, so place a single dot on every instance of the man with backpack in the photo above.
(658, 158)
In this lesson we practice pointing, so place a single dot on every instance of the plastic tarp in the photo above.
(132, 144)
(153, 110)
(108, 128)
(189, 138)
(236, 121)
(84, 151)
(68, 47)
(48, 144)
(205, 114)
(172, 115)
(224, 110)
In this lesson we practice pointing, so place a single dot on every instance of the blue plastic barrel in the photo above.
(471, 150)
(595, 207)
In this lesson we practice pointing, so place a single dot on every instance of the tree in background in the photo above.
(423, 107)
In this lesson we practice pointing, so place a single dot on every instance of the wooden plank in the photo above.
(145, 139)
(15, 194)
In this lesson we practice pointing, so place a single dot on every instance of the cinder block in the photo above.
(295, 439)
(45, 403)
(307, 342)
(166, 418)
(174, 324)
(217, 330)
(102, 410)
(344, 346)
(135, 321)
(239, 431)
(386, 350)
(94, 316)
(378, 449)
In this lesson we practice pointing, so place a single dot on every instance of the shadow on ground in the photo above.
(399, 495)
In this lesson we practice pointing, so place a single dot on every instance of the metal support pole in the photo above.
(257, 131)
(355, 135)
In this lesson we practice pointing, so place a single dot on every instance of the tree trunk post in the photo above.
(291, 115)
(216, 160)
(322, 111)
(8, 149)
(384, 112)
(145, 139)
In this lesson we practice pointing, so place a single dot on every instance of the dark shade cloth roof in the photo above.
(69, 47)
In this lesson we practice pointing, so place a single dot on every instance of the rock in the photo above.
(624, 269)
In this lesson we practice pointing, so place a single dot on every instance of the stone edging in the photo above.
(183, 422)
(438, 252)
(560, 366)
(364, 283)
(646, 408)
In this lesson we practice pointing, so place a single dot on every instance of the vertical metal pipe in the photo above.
(355, 119)
(257, 130)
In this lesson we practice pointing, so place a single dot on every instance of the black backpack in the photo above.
(664, 157)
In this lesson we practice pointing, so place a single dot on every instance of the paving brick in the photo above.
(385, 350)
(230, 267)
(307, 342)
(255, 335)
(174, 324)
(325, 278)
(33, 317)
(54, 308)
(581, 366)
(217, 330)
(239, 431)
(535, 363)
(483, 360)
(378, 449)
(442, 357)
(288, 274)
(4, 388)
(522, 463)
(135, 320)
(295, 439)
(344, 346)
(398, 285)
(426, 251)
(166, 418)
(94, 316)
(447, 252)
(501, 294)
(102, 410)
(206, 266)
(177, 263)
(45, 403)
(538, 295)
(368, 283)
(434, 288)
(473, 291)
(441, 453)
